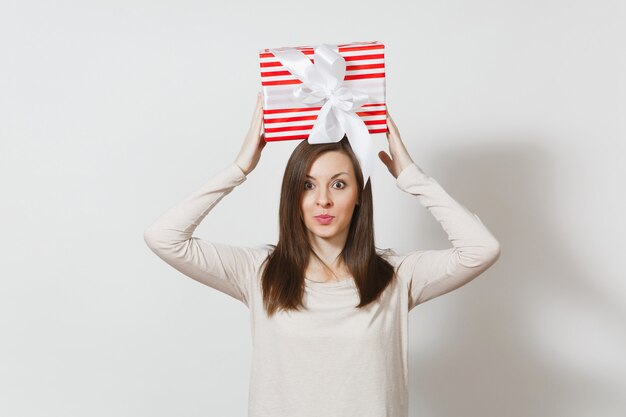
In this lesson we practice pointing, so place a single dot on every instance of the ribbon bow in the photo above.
(322, 83)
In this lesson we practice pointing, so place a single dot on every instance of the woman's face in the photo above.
(330, 188)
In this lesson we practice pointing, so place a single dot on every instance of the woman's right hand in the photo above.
(400, 157)
(254, 142)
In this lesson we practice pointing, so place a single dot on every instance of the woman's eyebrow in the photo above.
(333, 177)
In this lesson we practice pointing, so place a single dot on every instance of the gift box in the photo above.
(287, 116)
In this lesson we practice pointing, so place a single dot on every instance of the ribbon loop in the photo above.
(322, 84)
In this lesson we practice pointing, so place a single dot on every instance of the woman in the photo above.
(329, 314)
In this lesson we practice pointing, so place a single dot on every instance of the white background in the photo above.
(113, 111)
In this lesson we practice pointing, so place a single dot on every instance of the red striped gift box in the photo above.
(286, 118)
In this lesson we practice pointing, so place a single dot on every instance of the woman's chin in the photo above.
(322, 232)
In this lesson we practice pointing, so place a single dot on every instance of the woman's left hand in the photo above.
(399, 158)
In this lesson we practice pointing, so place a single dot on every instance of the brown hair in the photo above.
(283, 280)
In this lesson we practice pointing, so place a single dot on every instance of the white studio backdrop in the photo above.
(113, 111)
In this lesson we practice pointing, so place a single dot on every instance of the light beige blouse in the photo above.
(331, 360)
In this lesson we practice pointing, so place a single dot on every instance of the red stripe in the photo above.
(301, 118)
(281, 82)
(348, 68)
(375, 122)
(362, 57)
(291, 110)
(288, 128)
(275, 73)
(309, 50)
(346, 58)
(305, 51)
(371, 113)
(271, 64)
(363, 67)
(363, 76)
(346, 78)
(361, 48)
(289, 119)
(272, 111)
(279, 138)
(306, 136)
(309, 127)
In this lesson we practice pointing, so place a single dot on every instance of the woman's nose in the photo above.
(323, 200)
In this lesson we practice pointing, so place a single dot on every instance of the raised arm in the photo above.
(431, 273)
(229, 269)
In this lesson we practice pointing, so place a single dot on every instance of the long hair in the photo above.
(283, 279)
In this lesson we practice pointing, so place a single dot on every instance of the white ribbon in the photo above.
(322, 82)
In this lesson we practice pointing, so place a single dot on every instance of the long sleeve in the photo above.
(431, 273)
(228, 269)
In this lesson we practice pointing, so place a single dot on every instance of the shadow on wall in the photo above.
(507, 343)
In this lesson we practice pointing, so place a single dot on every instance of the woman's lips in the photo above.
(324, 219)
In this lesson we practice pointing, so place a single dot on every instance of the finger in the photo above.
(256, 123)
(257, 118)
(392, 123)
(393, 131)
(390, 119)
(389, 123)
(386, 159)
(255, 113)
(389, 131)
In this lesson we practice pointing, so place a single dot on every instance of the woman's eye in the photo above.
(307, 183)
